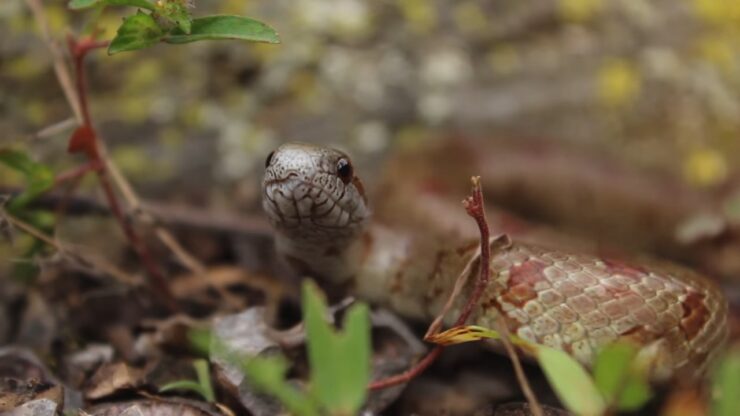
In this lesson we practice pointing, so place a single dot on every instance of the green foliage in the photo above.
(85, 4)
(137, 32)
(38, 177)
(202, 386)
(575, 388)
(200, 340)
(726, 381)
(619, 379)
(340, 362)
(171, 21)
(225, 27)
(618, 382)
(267, 374)
(177, 14)
(143, 30)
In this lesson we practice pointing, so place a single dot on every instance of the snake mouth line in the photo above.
(322, 205)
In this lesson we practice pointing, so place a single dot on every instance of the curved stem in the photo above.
(80, 49)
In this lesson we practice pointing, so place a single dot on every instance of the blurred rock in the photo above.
(41, 407)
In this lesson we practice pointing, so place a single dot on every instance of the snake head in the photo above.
(311, 194)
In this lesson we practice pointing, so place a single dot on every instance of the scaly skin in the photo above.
(577, 303)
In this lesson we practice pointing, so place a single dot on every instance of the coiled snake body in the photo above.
(574, 302)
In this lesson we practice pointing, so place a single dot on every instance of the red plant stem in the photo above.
(79, 50)
(409, 374)
(76, 173)
(475, 208)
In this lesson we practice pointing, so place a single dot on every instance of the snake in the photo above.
(575, 302)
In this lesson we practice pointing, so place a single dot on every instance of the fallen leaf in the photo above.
(112, 378)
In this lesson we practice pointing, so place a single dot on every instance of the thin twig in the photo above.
(220, 222)
(76, 173)
(460, 282)
(485, 254)
(518, 370)
(164, 235)
(77, 100)
(60, 67)
(64, 249)
(54, 129)
(79, 50)
(134, 202)
(409, 374)
(475, 208)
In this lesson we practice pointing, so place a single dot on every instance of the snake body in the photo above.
(574, 302)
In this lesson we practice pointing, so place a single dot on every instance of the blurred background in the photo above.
(636, 90)
(655, 83)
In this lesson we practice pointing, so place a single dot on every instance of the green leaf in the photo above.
(634, 394)
(267, 374)
(38, 177)
(619, 380)
(204, 379)
(571, 382)
(202, 386)
(200, 340)
(85, 4)
(81, 4)
(188, 385)
(726, 381)
(225, 27)
(178, 14)
(340, 362)
(137, 32)
(611, 368)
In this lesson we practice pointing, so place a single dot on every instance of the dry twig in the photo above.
(56, 128)
(60, 67)
(66, 250)
(475, 208)
(76, 96)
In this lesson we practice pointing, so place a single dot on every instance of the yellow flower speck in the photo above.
(705, 167)
(618, 83)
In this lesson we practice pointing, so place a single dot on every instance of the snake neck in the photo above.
(385, 266)
(336, 262)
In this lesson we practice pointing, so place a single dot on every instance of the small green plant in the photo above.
(202, 385)
(157, 21)
(619, 380)
(38, 179)
(171, 21)
(339, 362)
(726, 385)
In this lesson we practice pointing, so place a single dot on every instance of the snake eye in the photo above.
(344, 170)
(269, 158)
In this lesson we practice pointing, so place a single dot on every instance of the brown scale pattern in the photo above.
(580, 303)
